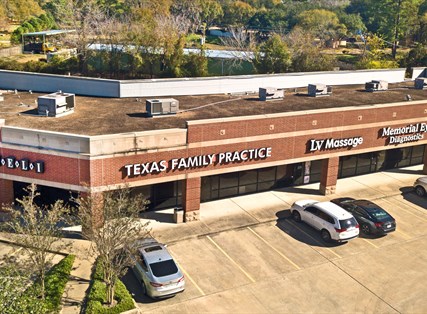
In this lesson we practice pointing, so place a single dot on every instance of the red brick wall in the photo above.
(6, 192)
(57, 168)
(329, 175)
(191, 194)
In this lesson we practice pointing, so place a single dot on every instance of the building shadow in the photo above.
(160, 216)
(300, 190)
(404, 171)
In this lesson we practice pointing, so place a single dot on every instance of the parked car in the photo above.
(334, 222)
(420, 186)
(156, 270)
(372, 218)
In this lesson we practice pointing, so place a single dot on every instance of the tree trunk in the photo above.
(42, 287)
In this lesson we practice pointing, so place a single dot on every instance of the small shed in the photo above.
(38, 42)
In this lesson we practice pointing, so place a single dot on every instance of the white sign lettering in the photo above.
(409, 133)
(197, 161)
(24, 164)
(331, 143)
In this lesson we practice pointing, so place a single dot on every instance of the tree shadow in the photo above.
(135, 288)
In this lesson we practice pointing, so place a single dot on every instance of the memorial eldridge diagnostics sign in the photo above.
(197, 161)
(400, 135)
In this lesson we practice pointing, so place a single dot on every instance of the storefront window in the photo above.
(381, 160)
(417, 155)
(162, 195)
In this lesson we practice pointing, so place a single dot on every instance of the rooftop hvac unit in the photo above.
(56, 104)
(421, 83)
(158, 107)
(270, 93)
(374, 86)
(316, 90)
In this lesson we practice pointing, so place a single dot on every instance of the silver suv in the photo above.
(420, 186)
(159, 275)
(333, 222)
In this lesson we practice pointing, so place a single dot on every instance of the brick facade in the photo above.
(287, 134)
(191, 198)
(6, 193)
(329, 175)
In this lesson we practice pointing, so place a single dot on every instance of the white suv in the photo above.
(334, 222)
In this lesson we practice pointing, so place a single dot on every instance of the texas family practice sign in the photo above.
(198, 161)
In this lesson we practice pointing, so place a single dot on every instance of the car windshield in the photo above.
(164, 268)
(348, 223)
(378, 213)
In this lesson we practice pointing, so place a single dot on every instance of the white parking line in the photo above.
(277, 251)
(232, 260)
(403, 233)
(375, 246)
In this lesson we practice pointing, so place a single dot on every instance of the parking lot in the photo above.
(284, 266)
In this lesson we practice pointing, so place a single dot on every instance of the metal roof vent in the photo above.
(421, 83)
(316, 90)
(56, 104)
(375, 86)
(159, 107)
(270, 93)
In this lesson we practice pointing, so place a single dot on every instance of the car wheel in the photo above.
(296, 216)
(326, 236)
(365, 229)
(419, 190)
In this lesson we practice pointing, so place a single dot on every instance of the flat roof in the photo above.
(49, 32)
(98, 116)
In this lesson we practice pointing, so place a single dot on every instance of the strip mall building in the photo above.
(208, 152)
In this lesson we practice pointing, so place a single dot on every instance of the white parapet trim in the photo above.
(92, 146)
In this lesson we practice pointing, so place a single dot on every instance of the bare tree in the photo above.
(241, 46)
(16, 297)
(111, 222)
(85, 17)
(37, 230)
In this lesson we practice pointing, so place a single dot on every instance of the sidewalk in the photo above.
(262, 207)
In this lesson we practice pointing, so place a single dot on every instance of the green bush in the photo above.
(55, 282)
(97, 295)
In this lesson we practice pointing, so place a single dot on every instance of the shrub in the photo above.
(55, 281)
(97, 295)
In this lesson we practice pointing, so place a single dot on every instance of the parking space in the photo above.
(285, 266)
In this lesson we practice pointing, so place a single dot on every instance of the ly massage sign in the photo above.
(197, 161)
(333, 143)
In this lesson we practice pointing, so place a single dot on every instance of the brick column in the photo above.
(191, 199)
(425, 160)
(6, 193)
(329, 175)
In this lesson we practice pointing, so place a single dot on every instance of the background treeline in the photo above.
(145, 38)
